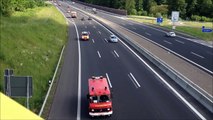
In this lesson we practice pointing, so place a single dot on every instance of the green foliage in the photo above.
(139, 12)
(7, 7)
(144, 13)
(130, 6)
(31, 42)
(195, 17)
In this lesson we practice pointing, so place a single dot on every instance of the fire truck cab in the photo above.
(99, 97)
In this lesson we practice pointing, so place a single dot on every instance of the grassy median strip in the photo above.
(31, 43)
(188, 27)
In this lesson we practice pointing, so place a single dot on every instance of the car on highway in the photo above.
(99, 97)
(68, 9)
(74, 14)
(85, 35)
(113, 39)
(89, 18)
(170, 34)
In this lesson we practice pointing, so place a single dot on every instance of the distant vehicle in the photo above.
(113, 38)
(82, 19)
(170, 34)
(85, 35)
(94, 10)
(74, 14)
(59, 4)
(89, 18)
(99, 97)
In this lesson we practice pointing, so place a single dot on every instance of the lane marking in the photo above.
(132, 80)
(99, 55)
(178, 95)
(116, 53)
(167, 42)
(108, 80)
(99, 32)
(135, 80)
(161, 78)
(105, 40)
(147, 33)
(197, 55)
(94, 26)
(79, 75)
(179, 41)
(93, 41)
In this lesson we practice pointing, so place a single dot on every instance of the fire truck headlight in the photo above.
(108, 109)
(92, 110)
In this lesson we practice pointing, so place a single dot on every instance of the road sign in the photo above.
(206, 29)
(8, 72)
(159, 20)
(21, 86)
(175, 16)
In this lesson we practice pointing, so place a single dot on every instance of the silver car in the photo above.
(170, 34)
(113, 38)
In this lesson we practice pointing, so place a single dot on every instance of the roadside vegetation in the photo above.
(30, 43)
(193, 13)
(192, 28)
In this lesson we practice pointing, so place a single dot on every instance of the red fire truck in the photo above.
(100, 103)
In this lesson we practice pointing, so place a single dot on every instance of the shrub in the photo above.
(139, 12)
(144, 13)
(158, 15)
(195, 18)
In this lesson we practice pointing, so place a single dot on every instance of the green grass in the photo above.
(188, 27)
(31, 43)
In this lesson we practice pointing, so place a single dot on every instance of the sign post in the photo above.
(175, 18)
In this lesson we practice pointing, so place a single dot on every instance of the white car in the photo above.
(170, 34)
(113, 38)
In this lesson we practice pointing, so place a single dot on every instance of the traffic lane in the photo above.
(130, 84)
(65, 99)
(157, 95)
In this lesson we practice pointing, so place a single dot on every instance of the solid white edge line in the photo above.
(132, 80)
(108, 80)
(79, 76)
(99, 54)
(99, 32)
(185, 101)
(135, 80)
(197, 55)
(116, 53)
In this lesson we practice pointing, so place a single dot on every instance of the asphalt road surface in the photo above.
(138, 92)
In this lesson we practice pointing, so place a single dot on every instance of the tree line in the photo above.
(199, 10)
(7, 7)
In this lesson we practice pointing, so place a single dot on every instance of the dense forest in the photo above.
(199, 10)
(7, 7)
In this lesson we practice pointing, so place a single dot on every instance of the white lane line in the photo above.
(147, 33)
(105, 40)
(167, 84)
(135, 80)
(94, 26)
(110, 85)
(99, 55)
(179, 41)
(79, 76)
(130, 77)
(167, 42)
(197, 55)
(85, 26)
(116, 53)
(99, 32)
(93, 41)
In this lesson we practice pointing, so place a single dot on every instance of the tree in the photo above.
(139, 5)
(130, 6)
(178, 5)
(191, 7)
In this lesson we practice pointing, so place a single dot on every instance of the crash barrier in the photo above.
(112, 10)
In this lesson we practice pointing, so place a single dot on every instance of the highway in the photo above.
(184, 46)
(139, 91)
